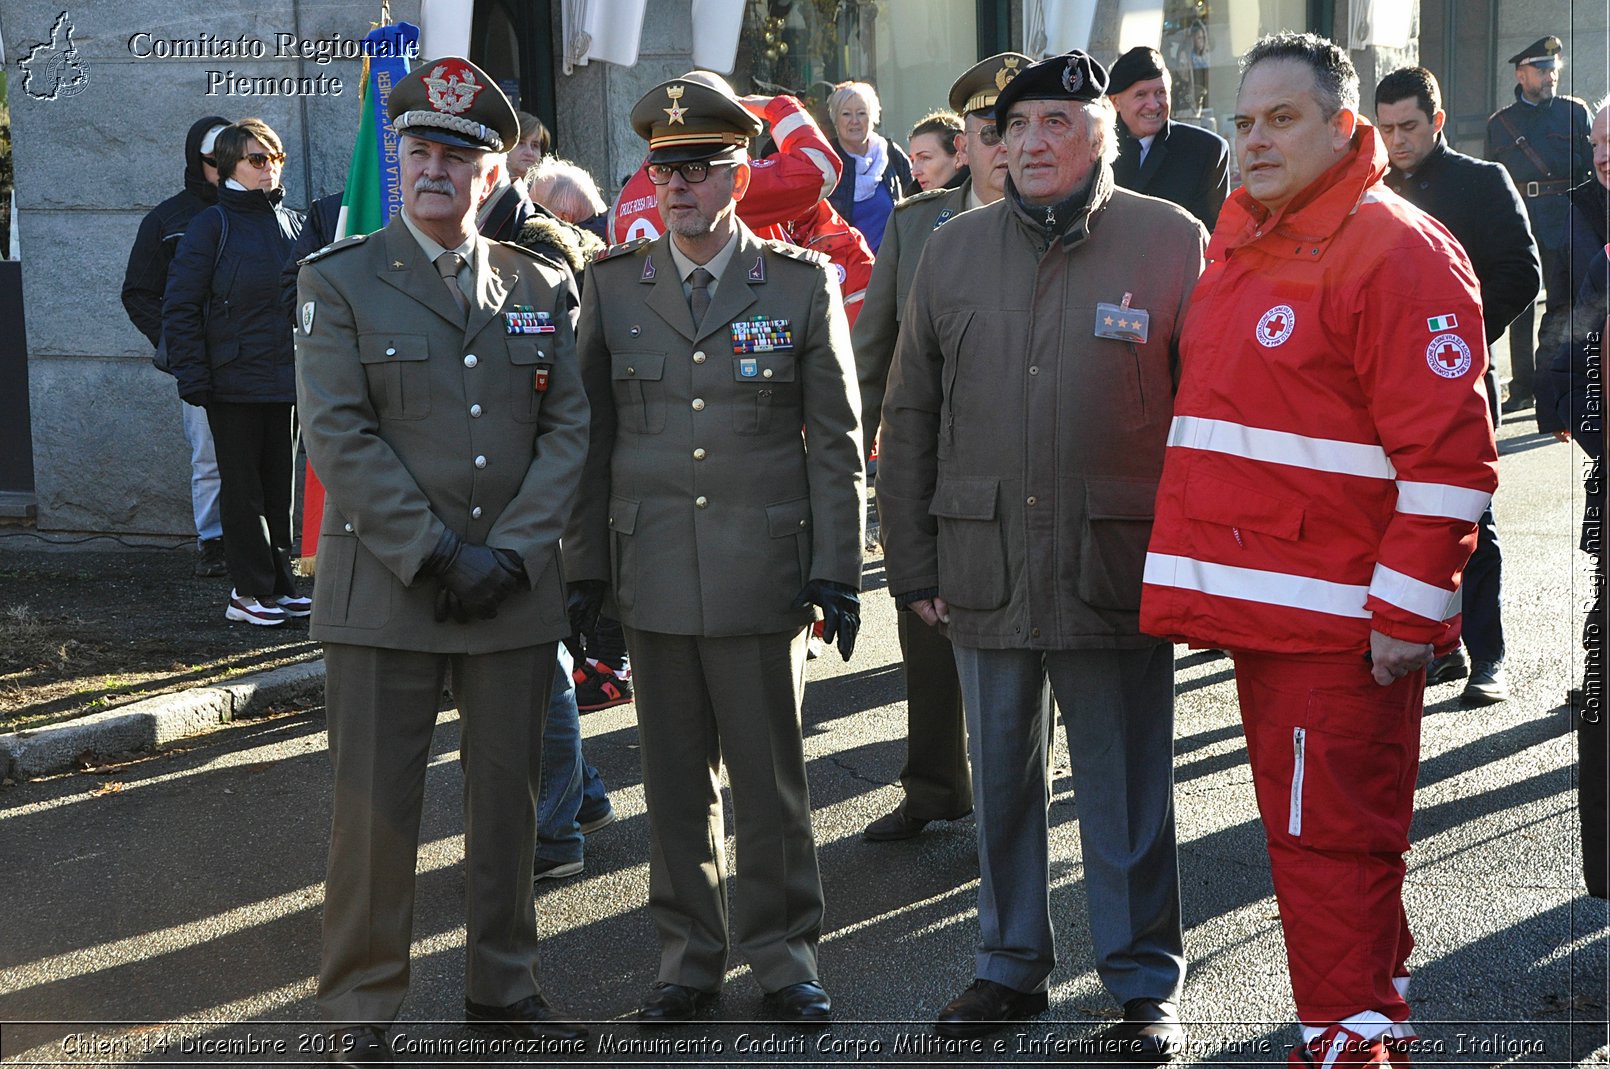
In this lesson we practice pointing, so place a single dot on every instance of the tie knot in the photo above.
(701, 279)
(449, 264)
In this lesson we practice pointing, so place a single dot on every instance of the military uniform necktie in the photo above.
(448, 265)
(699, 296)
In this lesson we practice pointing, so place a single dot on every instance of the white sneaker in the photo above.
(296, 606)
(247, 608)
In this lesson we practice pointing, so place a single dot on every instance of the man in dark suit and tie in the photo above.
(1157, 156)
(444, 413)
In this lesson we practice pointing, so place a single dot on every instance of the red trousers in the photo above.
(1334, 759)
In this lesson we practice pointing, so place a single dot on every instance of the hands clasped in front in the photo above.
(474, 578)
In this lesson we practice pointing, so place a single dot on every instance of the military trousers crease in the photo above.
(381, 706)
(702, 701)
(1118, 709)
(935, 778)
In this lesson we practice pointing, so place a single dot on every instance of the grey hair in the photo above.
(1101, 120)
(557, 183)
(845, 90)
(1335, 78)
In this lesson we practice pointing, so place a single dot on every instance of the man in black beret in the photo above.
(1156, 155)
(1023, 434)
(1542, 141)
(442, 408)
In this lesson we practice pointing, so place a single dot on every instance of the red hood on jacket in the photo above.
(1318, 211)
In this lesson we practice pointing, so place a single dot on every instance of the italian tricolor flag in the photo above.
(1442, 323)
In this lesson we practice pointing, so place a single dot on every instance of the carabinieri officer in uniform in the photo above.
(442, 409)
(705, 351)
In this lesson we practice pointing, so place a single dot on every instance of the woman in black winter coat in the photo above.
(230, 348)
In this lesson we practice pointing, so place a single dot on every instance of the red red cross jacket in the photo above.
(826, 231)
(1331, 449)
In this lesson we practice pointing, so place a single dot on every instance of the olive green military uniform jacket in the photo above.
(416, 420)
(706, 509)
(878, 325)
(1021, 451)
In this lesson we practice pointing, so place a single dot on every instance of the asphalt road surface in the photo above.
(168, 910)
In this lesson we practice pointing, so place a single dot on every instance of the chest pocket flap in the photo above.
(763, 367)
(638, 366)
(1214, 500)
(392, 348)
(965, 499)
(398, 369)
(528, 351)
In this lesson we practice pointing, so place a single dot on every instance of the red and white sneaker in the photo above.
(1338, 1047)
(295, 605)
(247, 608)
(602, 689)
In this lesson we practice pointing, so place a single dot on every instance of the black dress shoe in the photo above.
(362, 1044)
(897, 825)
(1150, 1032)
(668, 1003)
(530, 1018)
(986, 1007)
(803, 1003)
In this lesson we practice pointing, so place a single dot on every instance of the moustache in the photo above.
(435, 185)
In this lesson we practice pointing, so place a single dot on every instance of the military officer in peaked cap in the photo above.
(935, 781)
(443, 411)
(704, 352)
(1542, 141)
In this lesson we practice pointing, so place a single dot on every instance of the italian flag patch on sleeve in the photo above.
(1437, 323)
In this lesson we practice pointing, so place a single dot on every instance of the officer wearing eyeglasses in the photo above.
(715, 531)
(935, 781)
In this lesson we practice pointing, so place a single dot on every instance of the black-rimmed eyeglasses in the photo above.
(692, 173)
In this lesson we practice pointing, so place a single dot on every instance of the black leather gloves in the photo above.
(584, 600)
(841, 611)
(474, 578)
(198, 398)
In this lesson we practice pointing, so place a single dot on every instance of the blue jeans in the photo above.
(569, 784)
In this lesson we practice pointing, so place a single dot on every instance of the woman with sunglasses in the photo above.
(230, 346)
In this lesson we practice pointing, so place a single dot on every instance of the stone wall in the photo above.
(109, 454)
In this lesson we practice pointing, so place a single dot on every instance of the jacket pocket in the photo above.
(351, 588)
(952, 332)
(398, 369)
(622, 526)
(790, 565)
(756, 405)
(1352, 775)
(1214, 500)
(639, 399)
(1112, 546)
(530, 371)
(972, 545)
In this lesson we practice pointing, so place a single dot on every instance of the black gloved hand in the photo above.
(198, 398)
(478, 576)
(584, 600)
(841, 611)
(447, 604)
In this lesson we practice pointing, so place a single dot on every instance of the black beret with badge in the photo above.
(685, 119)
(1139, 64)
(981, 83)
(1073, 75)
(1543, 52)
(453, 102)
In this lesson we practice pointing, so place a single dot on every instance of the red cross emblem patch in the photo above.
(1448, 356)
(1276, 325)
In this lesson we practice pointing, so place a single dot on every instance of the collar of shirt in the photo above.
(433, 249)
(1146, 145)
(232, 184)
(973, 200)
(716, 266)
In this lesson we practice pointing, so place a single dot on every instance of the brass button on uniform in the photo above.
(766, 374)
(698, 454)
(631, 371)
(475, 411)
(475, 513)
(698, 357)
(349, 528)
(700, 501)
(470, 361)
(390, 351)
(480, 462)
(1033, 501)
(698, 404)
(1034, 632)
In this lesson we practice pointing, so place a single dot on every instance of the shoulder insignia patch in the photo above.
(796, 252)
(622, 249)
(918, 198)
(333, 247)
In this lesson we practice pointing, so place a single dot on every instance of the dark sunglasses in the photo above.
(263, 159)
(692, 173)
(989, 136)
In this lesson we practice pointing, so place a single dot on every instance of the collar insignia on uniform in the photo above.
(526, 320)
(452, 87)
(648, 270)
(757, 273)
(761, 335)
(944, 217)
(676, 110)
(1007, 72)
(1073, 79)
(396, 264)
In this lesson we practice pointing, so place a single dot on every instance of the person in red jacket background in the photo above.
(1330, 454)
(787, 197)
